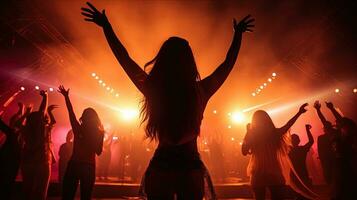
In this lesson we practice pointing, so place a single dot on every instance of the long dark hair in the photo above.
(172, 103)
(91, 122)
(263, 129)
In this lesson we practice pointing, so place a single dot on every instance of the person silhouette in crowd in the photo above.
(65, 153)
(269, 165)
(298, 155)
(325, 144)
(174, 101)
(10, 154)
(88, 141)
(36, 154)
(105, 158)
(346, 152)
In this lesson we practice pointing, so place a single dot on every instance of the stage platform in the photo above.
(115, 190)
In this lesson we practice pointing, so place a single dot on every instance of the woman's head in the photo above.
(174, 62)
(90, 119)
(171, 104)
(261, 121)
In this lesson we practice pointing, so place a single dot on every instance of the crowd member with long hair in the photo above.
(269, 165)
(36, 154)
(175, 99)
(88, 141)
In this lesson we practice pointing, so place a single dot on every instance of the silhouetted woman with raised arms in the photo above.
(270, 166)
(175, 99)
(88, 141)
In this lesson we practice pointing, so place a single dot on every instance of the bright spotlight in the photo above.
(112, 90)
(253, 94)
(108, 88)
(51, 89)
(229, 114)
(214, 111)
(93, 74)
(238, 117)
(97, 77)
(337, 90)
(103, 84)
(265, 84)
(355, 90)
(229, 126)
(22, 88)
(232, 138)
(258, 90)
(37, 87)
(261, 87)
(116, 95)
(270, 80)
(100, 81)
(129, 114)
(273, 74)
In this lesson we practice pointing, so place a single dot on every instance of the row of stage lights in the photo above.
(104, 85)
(22, 88)
(264, 85)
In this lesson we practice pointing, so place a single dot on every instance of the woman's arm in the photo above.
(50, 113)
(72, 116)
(309, 136)
(44, 102)
(214, 81)
(132, 69)
(317, 106)
(333, 110)
(291, 122)
(246, 148)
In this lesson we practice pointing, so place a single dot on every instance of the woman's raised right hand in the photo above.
(92, 14)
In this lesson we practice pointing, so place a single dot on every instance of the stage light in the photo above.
(116, 95)
(270, 80)
(103, 84)
(100, 81)
(22, 88)
(108, 88)
(51, 89)
(214, 111)
(265, 84)
(258, 90)
(273, 74)
(115, 137)
(229, 126)
(129, 114)
(238, 117)
(253, 94)
(337, 90)
(261, 87)
(240, 143)
(232, 138)
(112, 90)
(97, 77)
(93, 74)
(355, 90)
(37, 87)
(229, 114)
